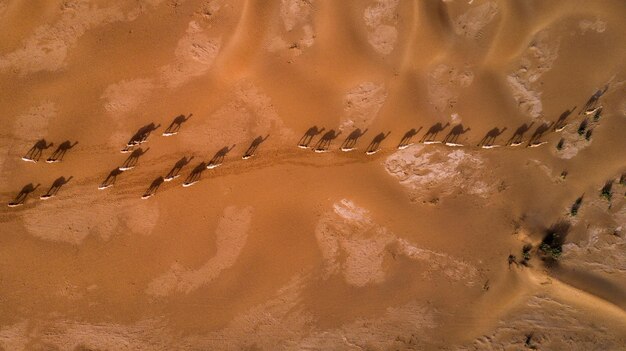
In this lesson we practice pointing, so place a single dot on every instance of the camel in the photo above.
(432, 132)
(217, 160)
(406, 139)
(173, 173)
(534, 139)
(518, 136)
(20, 199)
(453, 135)
(255, 144)
(308, 137)
(110, 179)
(140, 137)
(373, 147)
(57, 155)
(323, 144)
(560, 123)
(351, 140)
(176, 124)
(132, 160)
(195, 174)
(491, 136)
(35, 152)
(152, 189)
(56, 186)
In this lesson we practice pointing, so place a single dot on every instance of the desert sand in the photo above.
(313, 175)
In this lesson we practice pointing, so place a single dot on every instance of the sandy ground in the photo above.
(413, 248)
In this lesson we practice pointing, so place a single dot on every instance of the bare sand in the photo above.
(413, 248)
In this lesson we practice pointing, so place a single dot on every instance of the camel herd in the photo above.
(323, 144)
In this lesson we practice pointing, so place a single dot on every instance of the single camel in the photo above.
(374, 146)
(176, 124)
(308, 137)
(406, 139)
(217, 160)
(56, 186)
(352, 139)
(35, 152)
(518, 136)
(255, 145)
(110, 179)
(195, 174)
(20, 199)
(323, 144)
(132, 160)
(491, 136)
(152, 189)
(536, 137)
(454, 134)
(432, 132)
(57, 155)
(173, 173)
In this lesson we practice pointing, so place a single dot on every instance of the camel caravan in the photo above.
(591, 113)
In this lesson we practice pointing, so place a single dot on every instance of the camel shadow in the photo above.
(518, 135)
(35, 152)
(453, 136)
(561, 121)
(432, 132)
(323, 144)
(173, 173)
(195, 174)
(21, 197)
(174, 127)
(133, 159)
(593, 100)
(406, 139)
(56, 186)
(374, 145)
(218, 159)
(140, 137)
(255, 145)
(152, 189)
(535, 139)
(59, 153)
(351, 139)
(110, 179)
(491, 136)
(308, 136)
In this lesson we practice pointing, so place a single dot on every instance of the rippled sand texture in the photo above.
(417, 246)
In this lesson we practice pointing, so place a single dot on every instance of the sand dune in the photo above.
(467, 189)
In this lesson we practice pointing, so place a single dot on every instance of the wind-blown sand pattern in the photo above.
(231, 235)
(312, 175)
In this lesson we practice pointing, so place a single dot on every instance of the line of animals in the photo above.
(322, 145)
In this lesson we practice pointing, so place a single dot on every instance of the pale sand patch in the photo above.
(125, 96)
(381, 19)
(471, 23)
(231, 235)
(47, 48)
(598, 26)
(88, 214)
(352, 244)
(195, 54)
(538, 58)
(297, 20)
(361, 105)
(444, 170)
(445, 84)
(33, 125)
